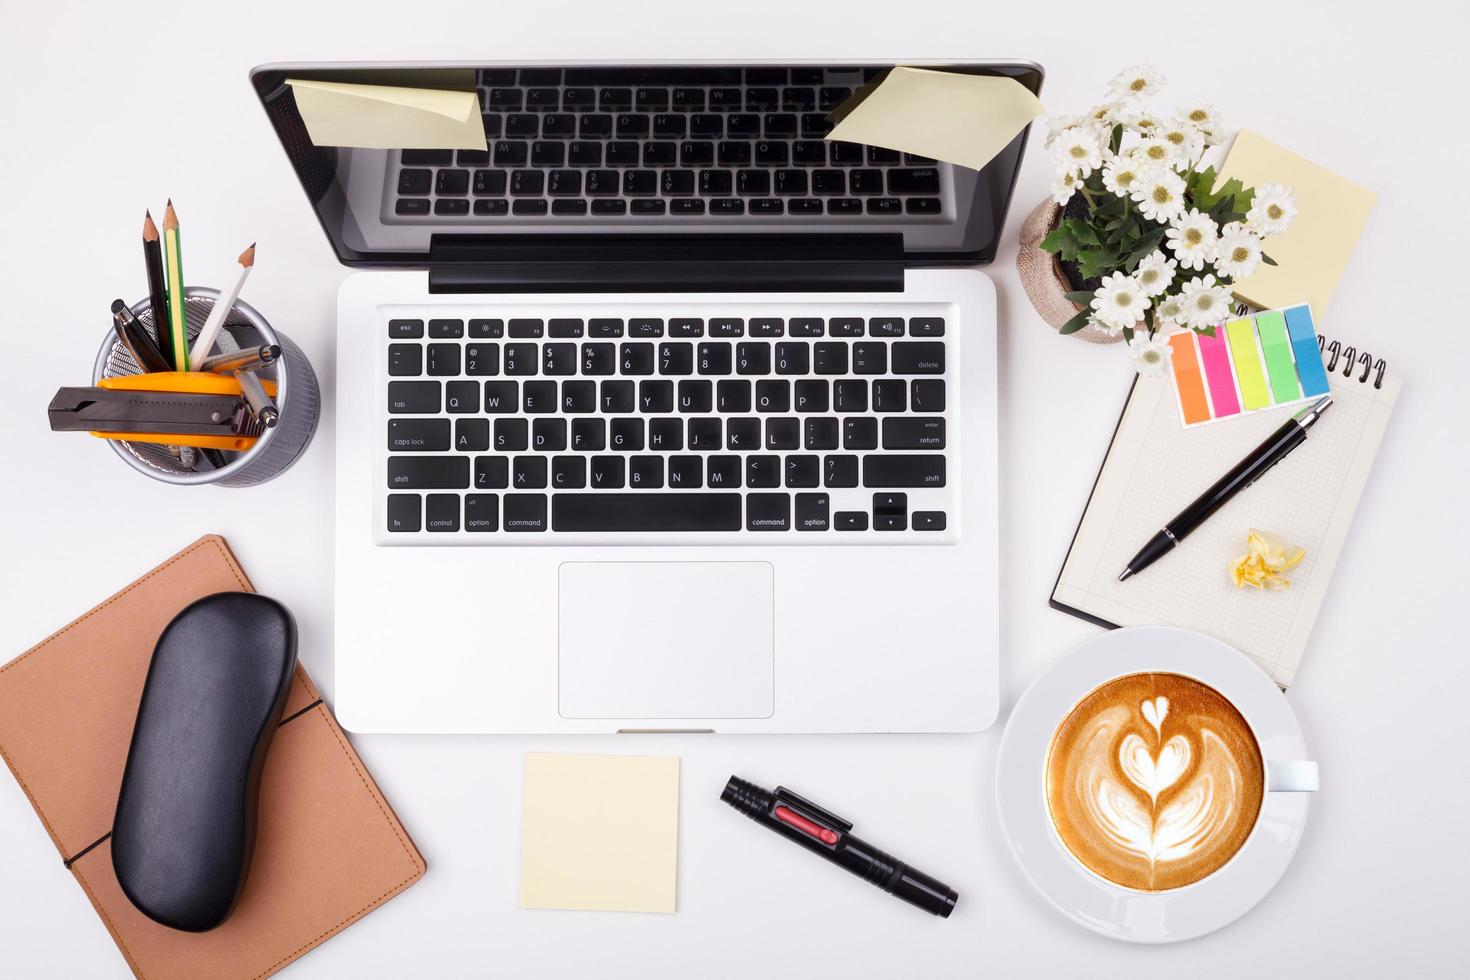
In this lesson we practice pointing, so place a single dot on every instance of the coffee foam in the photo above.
(1154, 781)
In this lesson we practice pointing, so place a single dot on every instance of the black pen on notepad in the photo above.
(1276, 448)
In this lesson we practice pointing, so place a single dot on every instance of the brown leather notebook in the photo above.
(328, 847)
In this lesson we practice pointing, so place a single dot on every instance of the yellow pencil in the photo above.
(173, 260)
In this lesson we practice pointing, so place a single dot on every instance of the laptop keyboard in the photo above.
(599, 143)
(623, 427)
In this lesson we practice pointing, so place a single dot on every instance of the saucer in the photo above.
(1100, 905)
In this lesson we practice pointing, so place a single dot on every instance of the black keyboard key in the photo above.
(676, 358)
(404, 512)
(502, 397)
(504, 98)
(870, 358)
(604, 327)
(929, 520)
(686, 205)
(405, 329)
(527, 183)
(829, 358)
(527, 327)
(585, 154)
(578, 98)
(645, 472)
(589, 434)
(913, 432)
(686, 327)
(803, 472)
(704, 434)
(636, 358)
(521, 359)
(472, 435)
(806, 327)
(726, 205)
(451, 206)
(725, 98)
(607, 472)
(850, 326)
(811, 395)
(773, 396)
(462, 397)
(568, 472)
(797, 99)
(636, 182)
(889, 395)
(722, 471)
(428, 158)
(578, 397)
(688, 98)
(782, 433)
(772, 153)
(444, 359)
(742, 434)
(600, 359)
(564, 327)
(727, 327)
(542, 98)
(865, 181)
(615, 98)
(844, 205)
(686, 472)
(821, 433)
(922, 205)
(753, 357)
(645, 511)
(767, 205)
(781, 124)
(810, 153)
(418, 435)
(677, 182)
(559, 126)
(492, 472)
(413, 397)
(793, 358)
(473, 158)
(920, 181)
(830, 97)
(882, 155)
(813, 511)
(714, 182)
(706, 124)
(829, 182)
(632, 125)
(446, 329)
(749, 182)
(885, 326)
(492, 207)
(511, 153)
(669, 124)
(622, 154)
(651, 99)
(918, 358)
(481, 512)
(767, 327)
(660, 154)
(791, 182)
(529, 206)
(594, 125)
(428, 472)
(860, 432)
(452, 183)
(840, 471)
(512, 435)
(528, 473)
(733, 396)
(844, 153)
(559, 360)
(666, 435)
(602, 182)
(487, 329)
(926, 326)
(849, 396)
(884, 205)
(655, 396)
(815, 124)
(405, 360)
(605, 207)
(616, 396)
(547, 435)
(693, 154)
(768, 512)
(850, 520)
(734, 153)
(927, 395)
(538, 396)
(525, 511)
(903, 471)
(415, 181)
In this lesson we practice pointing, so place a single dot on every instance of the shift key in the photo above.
(428, 472)
(903, 471)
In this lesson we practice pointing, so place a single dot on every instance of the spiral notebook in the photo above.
(1155, 467)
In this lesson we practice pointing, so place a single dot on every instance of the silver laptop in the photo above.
(661, 412)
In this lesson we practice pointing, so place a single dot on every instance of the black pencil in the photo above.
(157, 297)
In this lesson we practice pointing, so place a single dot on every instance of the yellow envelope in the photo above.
(600, 832)
(1313, 252)
(962, 119)
(389, 117)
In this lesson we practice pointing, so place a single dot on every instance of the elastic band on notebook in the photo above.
(297, 714)
(68, 862)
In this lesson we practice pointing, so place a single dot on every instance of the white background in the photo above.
(108, 108)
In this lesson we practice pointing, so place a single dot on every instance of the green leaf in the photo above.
(1076, 323)
(1128, 335)
(1081, 230)
(1267, 259)
(1116, 139)
(1081, 297)
(1205, 331)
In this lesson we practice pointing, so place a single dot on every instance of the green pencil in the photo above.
(173, 259)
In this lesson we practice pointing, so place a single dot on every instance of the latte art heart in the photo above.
(1154, 781)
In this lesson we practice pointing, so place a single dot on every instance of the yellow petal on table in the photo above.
(1266, 560)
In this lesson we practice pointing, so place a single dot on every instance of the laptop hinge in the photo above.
(589, 263)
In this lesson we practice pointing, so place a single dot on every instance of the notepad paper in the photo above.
(389, 116)
(1310, 255)
(600, 832)
(1154, 469)
(949, 116)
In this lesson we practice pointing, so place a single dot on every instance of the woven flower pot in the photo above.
(1042, 277)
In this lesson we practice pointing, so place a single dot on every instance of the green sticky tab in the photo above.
(1247, 359)
(1280, 366)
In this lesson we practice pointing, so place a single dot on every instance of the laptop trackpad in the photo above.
(666, 640)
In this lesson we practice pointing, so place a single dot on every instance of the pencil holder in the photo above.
(297, 397)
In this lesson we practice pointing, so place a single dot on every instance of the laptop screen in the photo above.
(540, 149)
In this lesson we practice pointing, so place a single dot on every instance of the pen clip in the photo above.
(810, 810)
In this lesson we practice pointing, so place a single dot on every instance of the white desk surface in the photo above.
(1378, 886)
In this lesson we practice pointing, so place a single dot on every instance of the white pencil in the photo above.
(204, 342)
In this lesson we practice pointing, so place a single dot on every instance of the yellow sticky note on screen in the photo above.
(963, 119)
(1313, 252)
(388, 117)
(600, 832)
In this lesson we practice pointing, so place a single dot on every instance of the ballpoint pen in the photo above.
(1276, 448)
(135, 338)
(245, 359)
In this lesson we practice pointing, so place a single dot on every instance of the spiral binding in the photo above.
(1352, 358)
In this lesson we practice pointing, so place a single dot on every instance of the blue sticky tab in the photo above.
(1308, 355)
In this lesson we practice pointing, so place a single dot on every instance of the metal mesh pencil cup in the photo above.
(297, 396)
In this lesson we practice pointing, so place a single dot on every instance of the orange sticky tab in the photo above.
(1188, 381)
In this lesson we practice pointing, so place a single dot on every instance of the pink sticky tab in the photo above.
(1216, 357)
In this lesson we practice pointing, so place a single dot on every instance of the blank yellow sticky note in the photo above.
(389, 116)
(963, 119)
(600, 832)
(1313, 252)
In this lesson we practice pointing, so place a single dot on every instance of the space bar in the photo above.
(645, 512)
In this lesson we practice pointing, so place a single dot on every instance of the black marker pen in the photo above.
(827, 834)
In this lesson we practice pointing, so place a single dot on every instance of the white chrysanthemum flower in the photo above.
(1155, 273)
(1078, 149)
(1238, 252)
(1272, 208)
(1140, 120)
(1057, 125)
(1156, 151)
(1121, 175)
(1138, 82)
(1205, 303)
(1107, 115)
(1192, 237)
(1151, 355)
(1119, 302)
(1203, 117)
(1169, 312)
(1187, 140)
(1064, 185)
(1160, 195)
